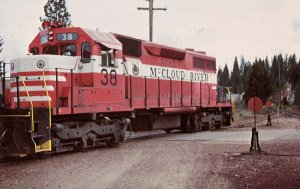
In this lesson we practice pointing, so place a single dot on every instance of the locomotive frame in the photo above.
(80, 88)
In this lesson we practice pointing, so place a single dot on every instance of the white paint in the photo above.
(65, 63)
(32, 88)
(145, 71)
(33, 99)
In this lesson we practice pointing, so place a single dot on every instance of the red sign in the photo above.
(268, 104)
(255, 104)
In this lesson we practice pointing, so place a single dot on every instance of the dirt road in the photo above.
(162, 161)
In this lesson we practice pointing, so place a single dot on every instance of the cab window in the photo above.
(85, 52)
(50, 50)
(68, 50)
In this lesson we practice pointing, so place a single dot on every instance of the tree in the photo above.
(274, 74)
(245, 75)
(293, 71)
(258, 83)
(219, 77)
(242, 66)
(236, 77)
(55, 10)
(295, 80)
(225, 77)
(1, 61)
(267, 66)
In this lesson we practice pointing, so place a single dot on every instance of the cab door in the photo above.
(85, 66)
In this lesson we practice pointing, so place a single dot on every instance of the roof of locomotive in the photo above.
(106, 39)
(167, 51)
(110, 40)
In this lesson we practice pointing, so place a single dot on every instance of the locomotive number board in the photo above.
(66, 37)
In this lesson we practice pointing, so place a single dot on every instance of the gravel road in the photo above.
(162, 161)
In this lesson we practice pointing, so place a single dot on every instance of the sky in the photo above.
(222, 28)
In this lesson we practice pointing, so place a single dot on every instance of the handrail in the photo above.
(49, 100)
(31, 105)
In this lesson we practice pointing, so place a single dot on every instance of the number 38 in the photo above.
(112, 79)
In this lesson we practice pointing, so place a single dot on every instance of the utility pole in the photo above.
(151, 9)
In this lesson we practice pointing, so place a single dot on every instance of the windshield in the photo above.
(68, 50)
(50, 50)
(65, 50)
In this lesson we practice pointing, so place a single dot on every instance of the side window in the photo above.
(34, 50)
(107, 58)
(85, 52)
(68, 50)
(104, 58)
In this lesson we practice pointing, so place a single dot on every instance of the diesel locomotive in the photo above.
(78, 88)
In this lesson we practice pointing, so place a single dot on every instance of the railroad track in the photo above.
(250, 122)
(294, 114)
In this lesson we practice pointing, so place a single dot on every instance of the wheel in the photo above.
(219, 124)
(79, 147)
(111, 142)
(189, 125)
(168, 130)
(197, 123)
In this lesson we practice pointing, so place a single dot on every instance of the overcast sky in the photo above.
(222, 28)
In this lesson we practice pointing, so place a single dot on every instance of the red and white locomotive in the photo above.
(79, 88)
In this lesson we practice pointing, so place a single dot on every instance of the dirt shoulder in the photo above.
(161, 162)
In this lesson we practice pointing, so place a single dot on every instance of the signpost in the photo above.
(255, 104)
(269, 105)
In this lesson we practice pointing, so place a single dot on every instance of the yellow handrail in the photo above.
(31, 104)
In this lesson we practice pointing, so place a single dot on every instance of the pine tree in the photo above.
(258, 82)
(55, 10)
(219, 77)
(267, 66)
(1, 61)
(235, 77)
(225, 77)
(274, 74)
(245, 75)
(296, 70)
(242, 66)
(282, 70)
(293, 72)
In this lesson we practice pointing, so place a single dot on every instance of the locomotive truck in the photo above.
(78, 88)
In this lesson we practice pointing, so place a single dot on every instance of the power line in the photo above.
(151, 9)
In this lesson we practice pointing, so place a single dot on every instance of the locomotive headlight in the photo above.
(40, 64)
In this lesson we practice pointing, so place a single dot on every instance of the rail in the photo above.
(57, 88)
